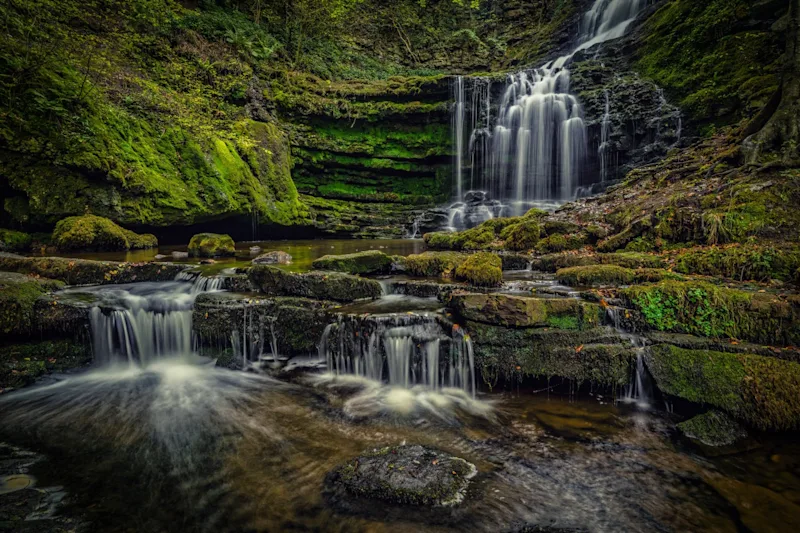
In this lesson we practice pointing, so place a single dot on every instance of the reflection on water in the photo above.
(182, 446)
(303, 252)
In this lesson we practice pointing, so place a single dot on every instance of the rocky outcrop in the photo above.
(523, 312)
(406, 475)
(87, 272)
(321, 286)
(18, 295)
(367, 262)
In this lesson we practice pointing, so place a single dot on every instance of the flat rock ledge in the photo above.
(406, 475)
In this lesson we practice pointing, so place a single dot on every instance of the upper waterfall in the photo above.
(534, 147)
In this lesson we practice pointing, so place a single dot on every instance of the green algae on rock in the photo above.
(367, 262)
(93, 233)
(481, 269)
(18, 295)
(432, 264)
(211, 245)
(712, 428)
(761, 391)
(318, 285)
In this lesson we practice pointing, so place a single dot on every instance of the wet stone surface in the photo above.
(405, 475)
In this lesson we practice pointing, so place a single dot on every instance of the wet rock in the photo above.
(713, 428)
(211, 245)
(317, 285)
(18, 295)
(255, 250)
(159, 257)
(367, 262)
(180, 255)
(408, 475)
(22, 364)
(87, 272)
(207, 262)
(515, 261)
(273, 258)
(520, 311)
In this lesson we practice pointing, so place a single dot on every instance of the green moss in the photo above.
(318, 285)
(88, 272)
(525, 312)
(760, 390)
(433, 264)
(482, 269)
(18, 293)
(560, 243)
(21, 364)
(211, 245)
(368, 262)
(633, 260)
(14, 241)
(595, 275)
(89, 232)
(703, 309)
(712, 428)
(521, 236)
(741, 262)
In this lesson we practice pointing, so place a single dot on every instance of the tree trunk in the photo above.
(781, 134)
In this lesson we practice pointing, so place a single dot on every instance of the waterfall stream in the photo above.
(536, 150)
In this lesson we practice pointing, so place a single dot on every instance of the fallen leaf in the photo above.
(579, 349)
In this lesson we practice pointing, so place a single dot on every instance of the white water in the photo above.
(537, 148)
(401, 350)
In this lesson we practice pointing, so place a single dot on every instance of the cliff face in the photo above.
(156, 115)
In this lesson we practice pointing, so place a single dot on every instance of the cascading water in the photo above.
(138, 323)
(538, 146)
(401, 350)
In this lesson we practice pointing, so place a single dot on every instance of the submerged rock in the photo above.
(273, 258)
(317, 285)
(367, 262)
(211, 245)
(407, 475)
(713, 428)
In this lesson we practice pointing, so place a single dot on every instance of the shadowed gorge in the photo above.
(422, 265)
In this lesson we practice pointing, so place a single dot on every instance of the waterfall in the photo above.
(137, 323)
(537, 148)
(604, 148)
(401, 350)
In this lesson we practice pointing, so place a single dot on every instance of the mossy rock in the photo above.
(88, 272)
(521, 236)
(597, 355)
(18, 295)
(522, 312)
(14, 241)
(633, 260)
(211, 245)
(432, 264)
(713, 428)
(367, 262)
(406, 475)
(93, 233)
(318, 285)
(595, 275)
(482, 269)
(761, 391)
(741, 262)
(559, 243)
(22, 364)
(704, 309)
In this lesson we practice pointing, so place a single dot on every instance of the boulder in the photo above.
(273, 258)
(321, 286)
(180, 255)
(524, 312)
(211, 245)
(367, 262)
(93, 233)
(406, 475)
(713, 428)
(482, 269)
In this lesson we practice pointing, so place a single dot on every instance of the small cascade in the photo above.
(639, 390)
(256, 343)
(604, 148)
(401, 350)
(200, 283)
(141, 322)
(459, 111)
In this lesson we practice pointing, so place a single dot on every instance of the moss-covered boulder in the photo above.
(405, 475)
(88, 272)
(93, 233)
(595, 275)
(713, 428)
(482, 269)
(318, 285)
(211, 245)
(599, 356)
(762, 391)
(701, 308)
(18, 295)
(559, 243)
(367, 262)
(520, 311)
(431, 264)
(521, 236)
(14, 241)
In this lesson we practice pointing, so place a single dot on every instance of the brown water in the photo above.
(303, 252)
(186, 447)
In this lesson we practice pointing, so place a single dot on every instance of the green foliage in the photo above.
(481, 269)
(211, 245)
(14, 241)
(90, 232)
(741, 262)
(720, 73)
(595, 275)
